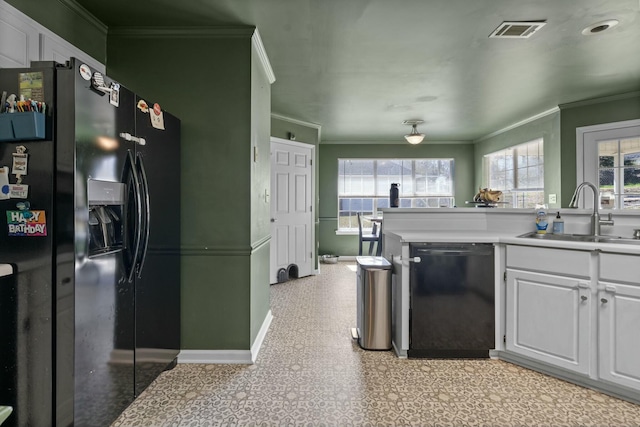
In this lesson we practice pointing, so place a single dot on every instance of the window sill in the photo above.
(346, 232)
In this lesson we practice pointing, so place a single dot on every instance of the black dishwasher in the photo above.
(452, 300)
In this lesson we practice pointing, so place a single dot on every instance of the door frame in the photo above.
(312, 214)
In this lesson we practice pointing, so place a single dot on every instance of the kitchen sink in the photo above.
(582, 238)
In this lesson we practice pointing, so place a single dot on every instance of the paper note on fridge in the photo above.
(157, 118)
(4, 183)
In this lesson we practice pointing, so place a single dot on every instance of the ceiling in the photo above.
(359, 68)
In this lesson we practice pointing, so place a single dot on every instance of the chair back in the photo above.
(374, 227)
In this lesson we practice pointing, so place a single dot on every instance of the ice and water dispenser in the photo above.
(106, 208)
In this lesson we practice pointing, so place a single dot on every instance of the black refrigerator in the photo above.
(90, 224)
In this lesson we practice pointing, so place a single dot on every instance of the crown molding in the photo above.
(183, 32)
(256, 40)
(85, 14)
(520, 123)
(300, 123)
(426, 142)
(593, 101)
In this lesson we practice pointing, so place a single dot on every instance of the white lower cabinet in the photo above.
(619, 319)
(576, 310)
(548, 318)
(619, 334)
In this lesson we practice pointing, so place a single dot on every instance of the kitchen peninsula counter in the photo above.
(606, 272)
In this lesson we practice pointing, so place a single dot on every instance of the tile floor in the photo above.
(310, 372)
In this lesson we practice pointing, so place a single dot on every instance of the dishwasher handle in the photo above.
(454, 252)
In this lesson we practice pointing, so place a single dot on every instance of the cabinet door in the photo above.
(619, 311)
(548, 319)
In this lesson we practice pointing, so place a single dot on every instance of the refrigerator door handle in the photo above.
(147, 212)
(132, 175)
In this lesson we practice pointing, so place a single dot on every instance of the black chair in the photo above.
(371, 238)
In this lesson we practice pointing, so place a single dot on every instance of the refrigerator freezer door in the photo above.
(103, 297)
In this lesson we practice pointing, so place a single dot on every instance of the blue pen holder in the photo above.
(22, 126)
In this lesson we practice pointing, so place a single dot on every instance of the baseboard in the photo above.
(243, 357)
(262, 333)
(402, 354)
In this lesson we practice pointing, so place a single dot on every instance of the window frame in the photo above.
(382, 194)
(517, 189)
(587, 154)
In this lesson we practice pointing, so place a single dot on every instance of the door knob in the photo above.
(604, 300)
(274, 220)
(583, 298)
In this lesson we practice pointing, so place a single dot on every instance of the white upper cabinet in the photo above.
(23, 40)
(19, 40)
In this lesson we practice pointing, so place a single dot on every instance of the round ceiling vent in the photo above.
(599, 27)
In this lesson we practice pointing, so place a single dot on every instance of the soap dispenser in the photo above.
(558, 225)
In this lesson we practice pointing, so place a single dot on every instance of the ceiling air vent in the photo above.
(517, 30)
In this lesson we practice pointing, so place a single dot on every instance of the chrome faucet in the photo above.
(595, 216)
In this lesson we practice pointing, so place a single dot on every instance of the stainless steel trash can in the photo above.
(373, 303)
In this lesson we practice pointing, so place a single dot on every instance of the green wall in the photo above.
(546, 127)
(208, 80)
(329, 242)
(587, 113)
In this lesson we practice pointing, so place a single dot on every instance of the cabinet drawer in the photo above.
(620, 268)
(561, 261)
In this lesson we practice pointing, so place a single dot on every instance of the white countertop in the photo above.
(412, 236)
(5, 270)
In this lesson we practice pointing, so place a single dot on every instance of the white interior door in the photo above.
(291, 207)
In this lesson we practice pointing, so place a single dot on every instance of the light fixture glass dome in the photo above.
(414, 137)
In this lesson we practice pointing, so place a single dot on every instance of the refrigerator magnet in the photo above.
(18, 191)
(85, 72)
(20, 159)
(142, 106)
(114, 96)
(25, 222)
(157, 118)
(4, 183)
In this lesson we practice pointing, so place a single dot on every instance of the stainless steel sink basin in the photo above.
(582, 238)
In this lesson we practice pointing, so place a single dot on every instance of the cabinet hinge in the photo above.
(310, 162)
(310, 208)
(504, 339)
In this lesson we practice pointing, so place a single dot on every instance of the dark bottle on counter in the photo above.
(394, 196)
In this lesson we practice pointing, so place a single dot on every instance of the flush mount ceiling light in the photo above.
(599, 27)
(414, 137)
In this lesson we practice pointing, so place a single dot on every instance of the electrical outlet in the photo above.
(552, 198)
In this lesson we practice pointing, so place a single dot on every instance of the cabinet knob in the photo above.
(604, 300)
(583, 297)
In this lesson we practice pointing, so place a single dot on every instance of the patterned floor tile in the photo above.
(311, 373)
